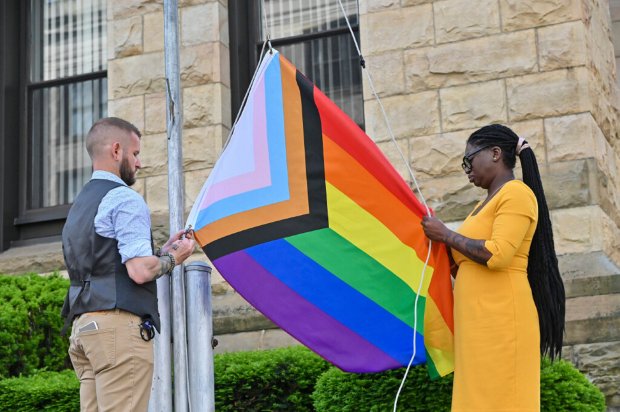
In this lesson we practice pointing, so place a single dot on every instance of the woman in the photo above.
(508, 293)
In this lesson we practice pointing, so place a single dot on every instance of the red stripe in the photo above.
(347, 134)
(440, 288)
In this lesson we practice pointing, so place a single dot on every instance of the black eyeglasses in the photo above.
(467, 159)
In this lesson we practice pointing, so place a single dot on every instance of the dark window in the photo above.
(67, 91)
(9, 119)
(62, 91)
(312, 34)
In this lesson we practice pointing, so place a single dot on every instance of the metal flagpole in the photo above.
(200, 337)
(162, 393)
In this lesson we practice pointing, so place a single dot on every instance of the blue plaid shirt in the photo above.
(123, 215)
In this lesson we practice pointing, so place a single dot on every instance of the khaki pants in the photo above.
(113, 363)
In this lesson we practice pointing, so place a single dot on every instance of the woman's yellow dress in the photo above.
(497, 354)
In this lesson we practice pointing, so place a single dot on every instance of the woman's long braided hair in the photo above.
(542, 269)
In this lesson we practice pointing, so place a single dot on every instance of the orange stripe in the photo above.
(351, 178)
(346, 174)
(345, 133)
(295, 158)
(440, 289)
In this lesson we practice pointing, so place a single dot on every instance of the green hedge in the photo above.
(273, 380)
(563, 389)
(30, 324)
(337, 391)
(284, 380)
(44, 391)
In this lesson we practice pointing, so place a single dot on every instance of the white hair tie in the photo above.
(521, 146)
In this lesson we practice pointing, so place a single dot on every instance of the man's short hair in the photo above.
(103, 128)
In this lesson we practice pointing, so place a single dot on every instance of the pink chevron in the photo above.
(261, 175)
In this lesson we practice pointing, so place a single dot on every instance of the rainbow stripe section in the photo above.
(305, 217)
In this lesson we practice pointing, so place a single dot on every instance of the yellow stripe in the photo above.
(444, 361)
(368, 234)
(438, 339)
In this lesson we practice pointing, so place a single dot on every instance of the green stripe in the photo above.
(361, 272)
(432, 369)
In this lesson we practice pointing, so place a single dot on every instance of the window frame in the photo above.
(246, 43)
(28, 214)
(19, 224)
(10, 23)
(243, 58)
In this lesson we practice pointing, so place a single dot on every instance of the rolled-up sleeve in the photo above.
(124, 216)
(516, 211)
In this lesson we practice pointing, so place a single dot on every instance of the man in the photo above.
(112, 299)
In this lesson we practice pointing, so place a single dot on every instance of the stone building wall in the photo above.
(614, 7)
(136, 77)
(545, 68)
(442, 68)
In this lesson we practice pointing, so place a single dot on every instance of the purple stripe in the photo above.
(304, 321)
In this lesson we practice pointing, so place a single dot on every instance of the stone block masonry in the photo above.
(136, 85)
(443, 69)
(545, 68)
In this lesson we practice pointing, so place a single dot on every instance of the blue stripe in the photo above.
(278, 191)
(336, 298)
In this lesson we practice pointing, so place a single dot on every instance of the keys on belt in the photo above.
(147, 330)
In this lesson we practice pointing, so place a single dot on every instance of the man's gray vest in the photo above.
(99, 281)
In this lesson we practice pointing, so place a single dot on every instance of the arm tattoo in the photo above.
(165, 265)
(472, 248)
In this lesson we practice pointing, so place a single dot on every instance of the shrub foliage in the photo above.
(283, 380)
(289, 379)
(273, 380)
(563, 389)
(338, 391)
(44, 391)
(30, 324)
